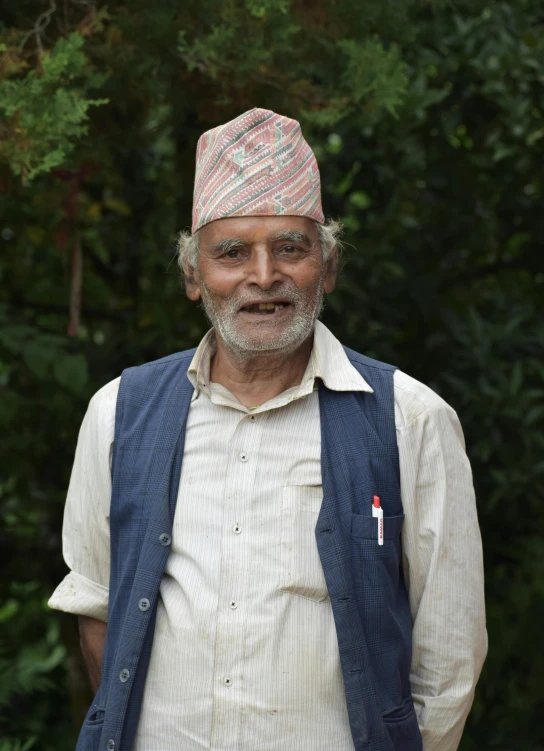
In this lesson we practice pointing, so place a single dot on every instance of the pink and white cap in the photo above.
(255, 165)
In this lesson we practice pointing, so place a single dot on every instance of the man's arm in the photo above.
(443, 569)
(85, 534)
(92, 635)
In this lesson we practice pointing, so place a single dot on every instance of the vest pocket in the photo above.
(402, 726)
(376, 578)
(97, 717)
(90, 736)
(301, 570)
(367, 527)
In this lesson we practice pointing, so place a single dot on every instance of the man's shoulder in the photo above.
(413, 399)
(104, 400)
(173, 360)
(367, 362)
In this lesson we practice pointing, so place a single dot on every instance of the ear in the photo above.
(192, 287)
(331, 270)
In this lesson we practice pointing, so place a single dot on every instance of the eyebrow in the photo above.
(288, 235)
(224, 246)
(292, 235)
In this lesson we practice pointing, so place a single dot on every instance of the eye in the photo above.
(289, 248)
(232, 253)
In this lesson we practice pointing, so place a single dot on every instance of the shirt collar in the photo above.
(199, 369)
(328, 361)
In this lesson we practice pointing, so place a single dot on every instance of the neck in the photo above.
(257, 377)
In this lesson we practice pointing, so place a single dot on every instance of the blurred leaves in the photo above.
(45, 355)
(31, 656)
(427, 121)
(46, 109)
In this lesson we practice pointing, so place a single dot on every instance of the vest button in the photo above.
(165, 539)
(144, 604)
(124, 675)
(111, 744)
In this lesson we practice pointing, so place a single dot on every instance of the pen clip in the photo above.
(377, 513)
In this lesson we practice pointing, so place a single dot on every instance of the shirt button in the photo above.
(233, 604)
(237, 529)
(165, 539)
(111, 744)
(243, 457)
(252, 418)
(124, 675)
(144, 604)
(227, 681)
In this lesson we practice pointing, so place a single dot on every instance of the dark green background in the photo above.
(427, 120)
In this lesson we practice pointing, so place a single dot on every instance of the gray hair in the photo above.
(329, 235)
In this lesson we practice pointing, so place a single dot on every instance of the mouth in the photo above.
(266, 309)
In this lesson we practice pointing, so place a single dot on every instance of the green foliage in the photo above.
(13, 744)
(31, 656)
(46, 110)
(427, 120)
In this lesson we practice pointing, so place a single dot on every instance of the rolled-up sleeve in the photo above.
(86, 531)
(443, 567)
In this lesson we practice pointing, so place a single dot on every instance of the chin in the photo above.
(272, 344)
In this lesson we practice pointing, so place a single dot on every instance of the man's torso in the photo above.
(245, 650)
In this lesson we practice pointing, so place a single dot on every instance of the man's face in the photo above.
(261, 280)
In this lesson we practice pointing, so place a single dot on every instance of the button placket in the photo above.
(231, 630)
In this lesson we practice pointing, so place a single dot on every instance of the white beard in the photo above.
(224, 320)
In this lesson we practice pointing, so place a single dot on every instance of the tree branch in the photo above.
(42, 22)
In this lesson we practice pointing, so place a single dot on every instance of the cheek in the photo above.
(220, 282)
(310, 272)
(307, 280)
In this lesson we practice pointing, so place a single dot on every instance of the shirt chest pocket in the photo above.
(301, 570)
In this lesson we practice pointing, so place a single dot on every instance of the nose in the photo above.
(263, 269)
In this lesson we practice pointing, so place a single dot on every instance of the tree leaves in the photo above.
(46, 112)
(427, 122)
(71, 371)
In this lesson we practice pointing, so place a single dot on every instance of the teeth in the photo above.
(266, 306)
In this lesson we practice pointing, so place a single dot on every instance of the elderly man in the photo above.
(273, 540)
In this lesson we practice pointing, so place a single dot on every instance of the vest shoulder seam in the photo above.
(174, 358)
(369, 362)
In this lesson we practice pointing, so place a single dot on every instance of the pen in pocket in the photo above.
(377, 512)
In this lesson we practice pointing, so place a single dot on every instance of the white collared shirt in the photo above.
(245, 654)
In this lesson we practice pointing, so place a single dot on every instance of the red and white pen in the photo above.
(377, 512)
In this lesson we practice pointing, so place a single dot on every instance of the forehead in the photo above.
(255, 229)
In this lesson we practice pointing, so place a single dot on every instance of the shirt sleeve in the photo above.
(86, 529)
(443, 568)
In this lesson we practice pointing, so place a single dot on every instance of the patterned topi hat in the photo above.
(256, 165)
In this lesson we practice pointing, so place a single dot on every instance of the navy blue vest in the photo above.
(359, 459)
